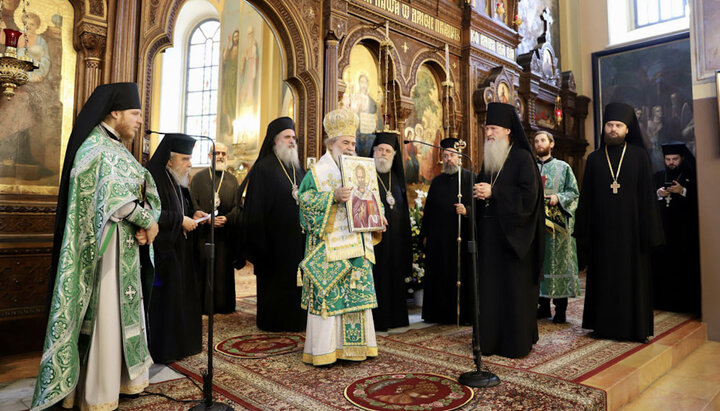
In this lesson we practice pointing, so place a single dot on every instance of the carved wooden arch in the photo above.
(359, 35)
(436, 63)
(157, 32)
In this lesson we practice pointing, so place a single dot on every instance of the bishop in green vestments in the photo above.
(96, 345)
(338, 288)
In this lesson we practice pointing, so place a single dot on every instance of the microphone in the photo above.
(439, 147)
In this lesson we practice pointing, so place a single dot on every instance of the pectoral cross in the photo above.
(130, 292)
(615, 187)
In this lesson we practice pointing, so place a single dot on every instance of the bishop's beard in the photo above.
(450, 168)
(383, 165)
(495, 154)
(182, 178)
(288, 155)
(220, 165)
(613, 140)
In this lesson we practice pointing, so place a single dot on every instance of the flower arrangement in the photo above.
(415, 280)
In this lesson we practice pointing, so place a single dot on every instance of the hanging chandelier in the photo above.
(14, 67)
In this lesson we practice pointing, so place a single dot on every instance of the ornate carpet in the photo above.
(260, 345)
(548, 379)
(408, 392)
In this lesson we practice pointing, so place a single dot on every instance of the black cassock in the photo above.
(275, 244)
(393, 258)
(615, 234)
(175, 329)
(510, 256)
(440, 230)
(676, 265)
(202, 199)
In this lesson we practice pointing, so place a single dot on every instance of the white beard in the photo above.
(383, 165)
(450, 168)
(495, 154)
(336, 156)
(182, 180)
(289, 156)
(220, 165)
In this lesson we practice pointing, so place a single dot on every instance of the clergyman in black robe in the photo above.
(676, 265)
(617, 225)
(204, 199)
(273, 239)
(175, 328)
(438, 234)
(393, 255)
(510, 224)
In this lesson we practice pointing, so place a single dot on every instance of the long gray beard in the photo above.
(182, 180)
(220, 165)
(289, 156)
(383, 165)
(495, 154)
(450, 168)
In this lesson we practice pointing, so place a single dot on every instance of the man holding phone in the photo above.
(676, 282)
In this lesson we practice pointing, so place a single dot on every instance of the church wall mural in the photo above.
(363, 95)
(425, 123)
(252, 91)
(36, 122)
(241, 73)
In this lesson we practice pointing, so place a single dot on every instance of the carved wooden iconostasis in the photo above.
(375, 57)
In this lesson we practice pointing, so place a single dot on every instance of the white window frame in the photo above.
(621, 24)
(174, 61)
(202, 147)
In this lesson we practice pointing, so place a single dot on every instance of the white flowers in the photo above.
(421, 195)
(420, 271)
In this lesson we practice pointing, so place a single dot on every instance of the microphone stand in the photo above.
(207, 403)
(477, 378)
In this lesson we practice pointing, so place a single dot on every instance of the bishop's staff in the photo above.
(459, 146)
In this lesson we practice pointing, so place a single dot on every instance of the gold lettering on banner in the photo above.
(475, 37)
(415, 16)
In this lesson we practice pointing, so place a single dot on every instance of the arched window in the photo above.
(201, 86)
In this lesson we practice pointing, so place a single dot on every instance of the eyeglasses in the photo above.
(220, 153)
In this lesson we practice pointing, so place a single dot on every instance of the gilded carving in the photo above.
(154, 5)
(93, 45)
(96, 8)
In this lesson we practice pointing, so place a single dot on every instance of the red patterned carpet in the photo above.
(548, 379)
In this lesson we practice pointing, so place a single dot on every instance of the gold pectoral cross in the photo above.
(615, 187)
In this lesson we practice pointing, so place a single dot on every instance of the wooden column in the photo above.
(331, 74)
(404, 106)
(92, 40)
(123, 65)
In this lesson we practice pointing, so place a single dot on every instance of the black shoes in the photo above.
(559, 317)
(544, 308)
